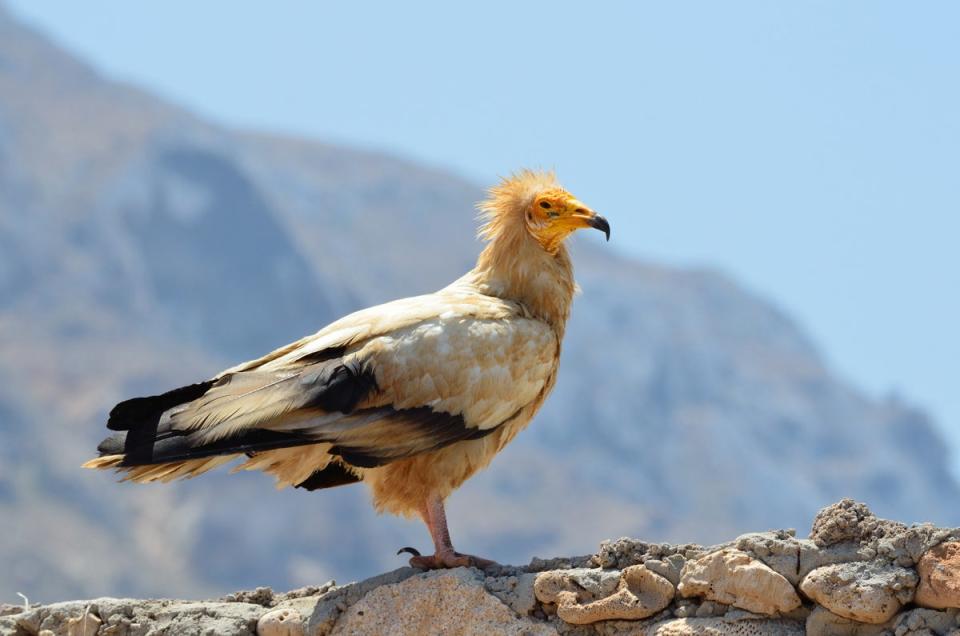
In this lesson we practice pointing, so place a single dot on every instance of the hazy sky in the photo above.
(811, 149)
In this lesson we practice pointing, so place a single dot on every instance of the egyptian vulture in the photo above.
(411, 397)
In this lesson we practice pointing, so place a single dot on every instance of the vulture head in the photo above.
(535, 201)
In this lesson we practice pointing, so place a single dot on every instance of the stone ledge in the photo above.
(856, 575)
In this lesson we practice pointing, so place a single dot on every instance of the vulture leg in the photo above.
(445, 556)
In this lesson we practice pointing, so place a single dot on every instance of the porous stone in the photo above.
(906, 546)
(558, 563)
(733, 577)
(516, 591)
(592, 583)
(625, 552)
(303, 605)
(260, 596)
(24, 622)
(685, 608)
(85, 625)
(825, 623)
(813, 557)
(639, 594)
(129, 617)
(868, 592)
(925, 621)
(329, 606)
(939, 570)
(284, 621)
(453, 603)
(669, 567)
(849, 520)
(864, 563)
(779, 550)
(710, 609)
(846, 520)
(724, 626)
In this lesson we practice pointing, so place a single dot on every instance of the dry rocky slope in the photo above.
(856, 575)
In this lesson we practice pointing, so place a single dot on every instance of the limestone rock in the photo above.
(724, 627)
(85, 625)
(826, 623)
(848, 520)
(640, 593)
(906, 546)
(516, 591)
(867, 592)
(925, 621)
(710, 609)
(122, 617)
(779, 550)
(284, 621)
(669, 568)
(328, 607)
(857, 567)
(813, 557)
(453, 603)
(592, 583)
(939, 570)
(625, 552)
(733, 577)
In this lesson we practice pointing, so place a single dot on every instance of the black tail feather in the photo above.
(139, 449)
(144, 412)
(141, 442)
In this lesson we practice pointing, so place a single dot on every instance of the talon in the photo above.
(409, 550)
(450, 559)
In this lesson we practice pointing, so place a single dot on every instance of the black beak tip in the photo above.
(600, 223)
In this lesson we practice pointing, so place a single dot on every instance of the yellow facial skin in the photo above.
(555, 214)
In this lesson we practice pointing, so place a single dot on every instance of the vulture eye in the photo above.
(545, 205)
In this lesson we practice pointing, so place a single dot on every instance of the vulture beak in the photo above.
(600, 223)
(582, 217)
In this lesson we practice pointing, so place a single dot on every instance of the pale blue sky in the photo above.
(810, 149)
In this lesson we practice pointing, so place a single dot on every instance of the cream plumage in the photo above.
(411, 397)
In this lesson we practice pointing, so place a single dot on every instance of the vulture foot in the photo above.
(446, 559)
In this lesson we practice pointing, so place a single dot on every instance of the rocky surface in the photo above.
(863, 591)
(733, 577)
(939, 570)
(857, 578)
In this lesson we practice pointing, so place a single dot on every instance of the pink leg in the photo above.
(445, 556)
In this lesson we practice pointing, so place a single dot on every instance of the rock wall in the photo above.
(856, 575)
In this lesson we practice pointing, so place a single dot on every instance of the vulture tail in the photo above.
(140, 448)
(147, 451)
(147, 456)
(144, 412)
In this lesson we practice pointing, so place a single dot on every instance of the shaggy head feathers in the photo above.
(508, 201)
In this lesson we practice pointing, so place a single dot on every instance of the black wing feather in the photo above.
(336, 387)
(330, 477)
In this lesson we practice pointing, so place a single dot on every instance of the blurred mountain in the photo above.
(142, 248)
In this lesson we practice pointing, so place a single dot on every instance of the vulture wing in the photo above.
(379, 385)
